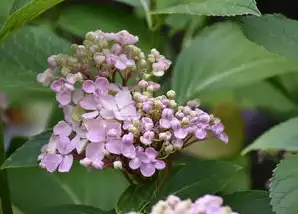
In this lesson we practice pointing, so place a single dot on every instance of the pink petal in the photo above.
(101, 84)
(95, 151)
(151, 153)
(201, 134)
(147, 170)
(51, 162)
(58, 85)
(115, 126)
(135, 163)
(108, 102)
(77, 96)
(127, 112)
(164, 123)
(107, 114)
(65, 146)
(120, 64)
(66, 163)
(123, 98)
(159, 164)
(180, 133)
(128, 151)
(88, 103)
(114, 146)
(145, 140)
(95, 136)
(62, 129)
(88, 86)
(64, 97)
(90, 115)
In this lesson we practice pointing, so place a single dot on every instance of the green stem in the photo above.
(4, 193)
(147, 12)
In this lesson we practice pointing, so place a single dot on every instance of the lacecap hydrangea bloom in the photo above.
(208, 204)
(111, 116)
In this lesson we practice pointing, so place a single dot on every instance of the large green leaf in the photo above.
(274, 32)
(249, 202)
(5, 8)
(80, 19)
(26, 13)
(27, 154)
(281, 137)
(200, 177)
(222, 57)
(34, 189)
(23, 56)
(278, 34)
(284, 188)
(210, 7)
(136, 198)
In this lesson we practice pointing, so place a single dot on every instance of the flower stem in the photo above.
(4, 193)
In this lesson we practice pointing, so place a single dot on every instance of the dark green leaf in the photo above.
(284, 187)
(136, 198)
(23, 56)
(219, 59)
(134, 3)
(80, 19)
(200, 177)
(25, 14)
(73, 209)
(249, 202)
(27, 154)
(5, 8)
(281, 137)
(34, 189)
(210, 7)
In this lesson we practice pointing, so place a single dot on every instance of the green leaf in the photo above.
(5, 8)
(136, 198)
(275, 32)
(281, 137)
(284, 188)
(200, 177)
(222, 57)
(211, 7)
(27, 154)
(100, 189)
(80, 19)
(249, 202)
(74, 209)
(25, 14)
(23, 56)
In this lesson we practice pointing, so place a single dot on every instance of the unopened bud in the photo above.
(173, 104)
(99, 58)
(91, 36)
(143, 84)
(171, 94)
(169, 149)
(117, 164)
(150, 88)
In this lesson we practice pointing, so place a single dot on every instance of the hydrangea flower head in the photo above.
(208, 204)
(108, 123)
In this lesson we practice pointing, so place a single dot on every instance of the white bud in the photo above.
(169, 149)
(173, 200)
(173, 104)
(193, 103)
(117, 164)
(150, 88)
(99, 59)
(171, 94)
(183, 206)
(91, 36)
(143, 84)
(159, 207)
(85, 162)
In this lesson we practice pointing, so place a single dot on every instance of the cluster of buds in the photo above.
(110, 122)
(208, 204)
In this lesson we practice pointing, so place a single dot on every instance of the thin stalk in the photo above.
(4, 188)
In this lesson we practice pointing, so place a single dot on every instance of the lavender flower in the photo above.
(112, 124)
(208, 204)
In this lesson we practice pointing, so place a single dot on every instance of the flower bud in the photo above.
(99, 58)
(143, 84)
(117, 164)
(171, 94)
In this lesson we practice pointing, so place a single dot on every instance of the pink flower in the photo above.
(123, 62)
(98, 88)
(62, 161)
(63, 91)
(121, 107)
(147, 162)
